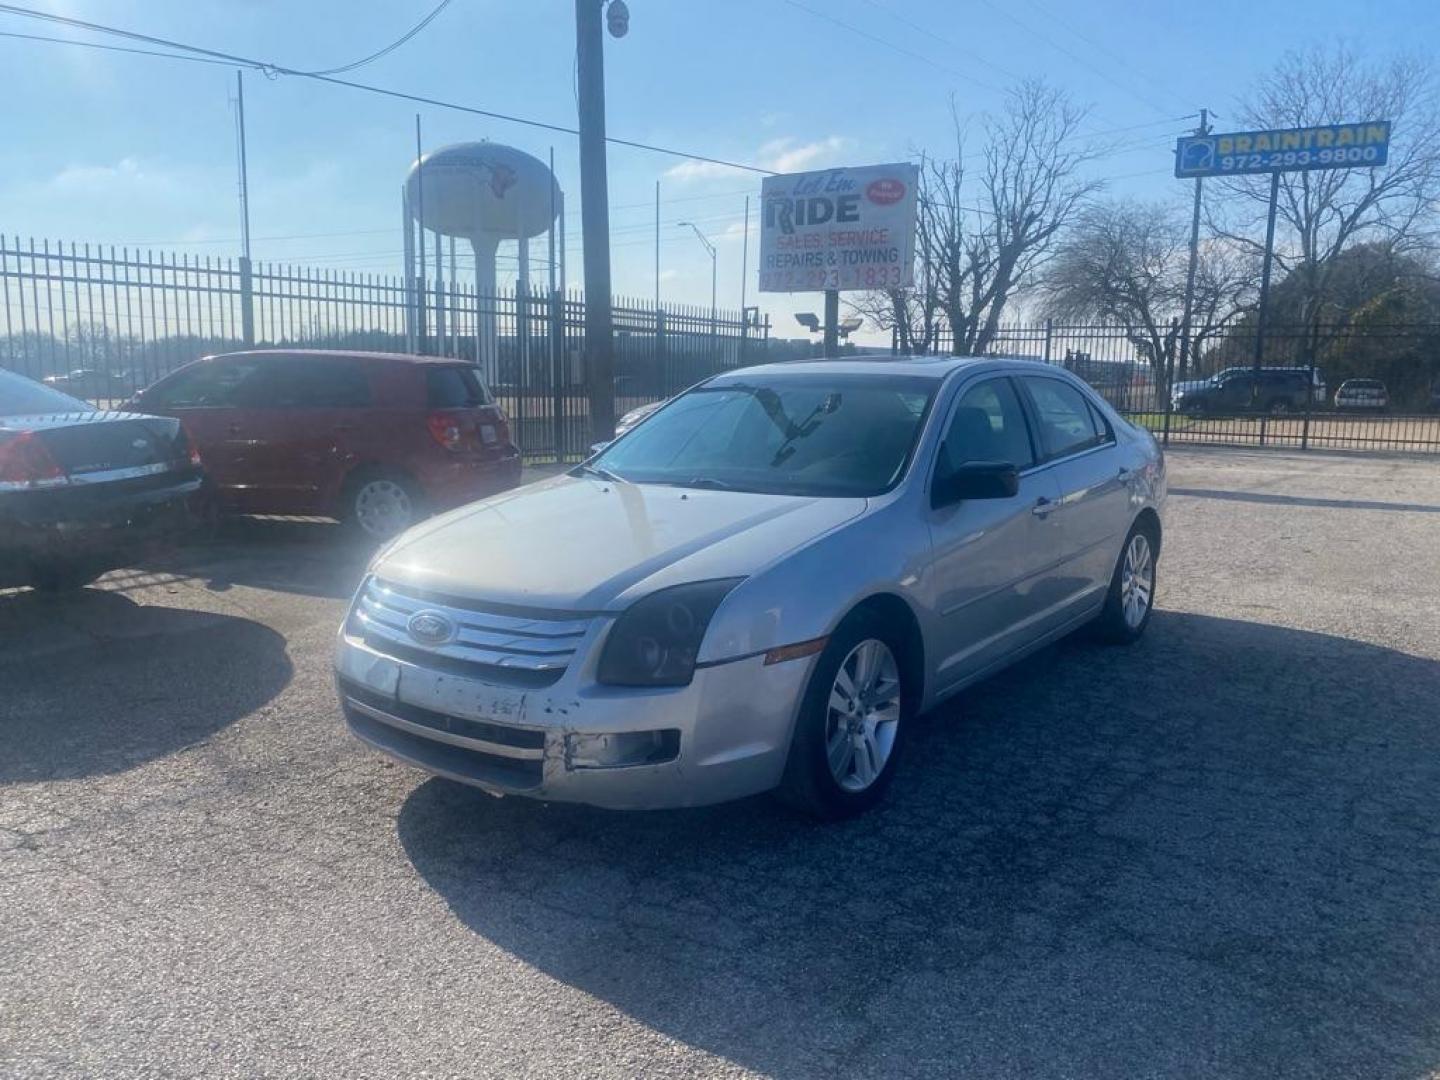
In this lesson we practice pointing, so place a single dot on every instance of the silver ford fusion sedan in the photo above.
(759, 587)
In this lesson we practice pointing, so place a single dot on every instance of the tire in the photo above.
(1120, 621)
(810, 783)
(379, 504)
(61, 577)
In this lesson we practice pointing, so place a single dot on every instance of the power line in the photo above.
(901, 49)
(1074, 56)
(271, 70)
(1068, 28)
(388, 48)
(115, 48)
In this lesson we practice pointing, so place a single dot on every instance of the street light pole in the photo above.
(711, 249)
(595, 218)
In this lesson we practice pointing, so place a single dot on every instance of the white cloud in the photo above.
(126, 171)
(790, 155)
(698, 170)
(785, 154)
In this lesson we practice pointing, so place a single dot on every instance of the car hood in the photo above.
(579, 544)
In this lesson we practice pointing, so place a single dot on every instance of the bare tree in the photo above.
(1322, 212)
(1125, 261)
(971, 261)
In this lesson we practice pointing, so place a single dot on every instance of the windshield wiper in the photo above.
(598, 473)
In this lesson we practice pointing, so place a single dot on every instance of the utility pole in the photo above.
(744, 256)
(595, 218)
(1190, 287)
(1261, 315)
(832, 322)
(657, 245)
(421, 345)
(244, 168)
(247, 281)
(709, 250)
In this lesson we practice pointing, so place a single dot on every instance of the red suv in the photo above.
(375, 439)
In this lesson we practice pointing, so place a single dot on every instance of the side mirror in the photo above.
(974, 480)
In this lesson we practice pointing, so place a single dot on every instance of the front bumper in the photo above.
(726, 734)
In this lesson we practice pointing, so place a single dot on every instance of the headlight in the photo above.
(656, 640)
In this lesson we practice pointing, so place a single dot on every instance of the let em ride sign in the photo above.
(843, 229)
(1330, 146)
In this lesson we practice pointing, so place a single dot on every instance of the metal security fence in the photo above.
(104, 321)
(1213, 392)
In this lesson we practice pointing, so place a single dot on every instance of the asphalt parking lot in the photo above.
(1216, 853)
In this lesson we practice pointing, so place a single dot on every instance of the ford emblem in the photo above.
(431, 628)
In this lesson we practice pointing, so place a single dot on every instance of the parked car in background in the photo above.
(1242, 390)
(92, 383)
(84, 491)
(375, 439)
(759, 586)
(1366, 394)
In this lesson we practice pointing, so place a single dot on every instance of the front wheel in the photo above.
(380, 505)
(855, 712)
(1131, 597)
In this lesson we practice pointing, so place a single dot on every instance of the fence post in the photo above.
(247, 301)
(1049, 338)
(1169, 373)
(1309, 400)
(557, 372)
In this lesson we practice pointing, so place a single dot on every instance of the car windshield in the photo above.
(793, 434)
(20, 396)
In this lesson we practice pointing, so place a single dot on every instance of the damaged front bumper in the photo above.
(722, 737)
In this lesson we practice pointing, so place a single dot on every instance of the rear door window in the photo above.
(1067, 422)
(457, 387)
(310, 382)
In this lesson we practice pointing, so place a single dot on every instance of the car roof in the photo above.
(934, 367)
(350, 354)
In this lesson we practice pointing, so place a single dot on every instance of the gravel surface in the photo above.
(1215, 853)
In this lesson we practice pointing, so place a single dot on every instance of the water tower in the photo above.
(484, 192)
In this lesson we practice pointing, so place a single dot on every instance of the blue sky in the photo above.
(110, 148)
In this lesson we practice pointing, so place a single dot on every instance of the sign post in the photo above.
(839, 230)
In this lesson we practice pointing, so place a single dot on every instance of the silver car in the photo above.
(759, 587)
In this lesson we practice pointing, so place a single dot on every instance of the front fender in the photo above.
(804, 595)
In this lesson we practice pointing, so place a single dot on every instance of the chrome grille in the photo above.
(531, 648)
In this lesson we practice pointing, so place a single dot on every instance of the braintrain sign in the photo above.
(839, 229)
(1332, 146)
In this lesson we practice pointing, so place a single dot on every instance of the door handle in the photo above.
(1043, 507)
(234, 429)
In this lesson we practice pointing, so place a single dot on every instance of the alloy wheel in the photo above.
(1137, 580)
(863, 715)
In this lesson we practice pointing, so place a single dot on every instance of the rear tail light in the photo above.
(445, 428)
(192, 451)
(26, 463)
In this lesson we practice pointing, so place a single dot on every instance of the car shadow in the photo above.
(1213, 852)
(71, 665)
(307, 556)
